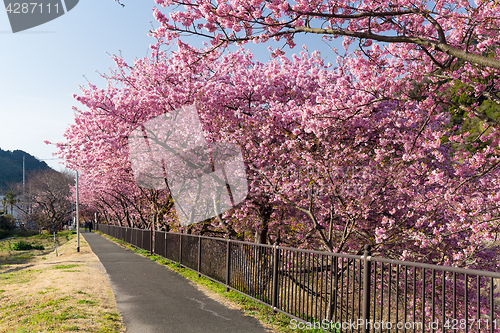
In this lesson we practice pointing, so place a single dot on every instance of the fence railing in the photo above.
(333, 291)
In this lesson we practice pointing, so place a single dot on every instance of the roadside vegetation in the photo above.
(41, 291)
(15, 249)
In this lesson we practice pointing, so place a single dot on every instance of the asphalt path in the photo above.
(151, 298)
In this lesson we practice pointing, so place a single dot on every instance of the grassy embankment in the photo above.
(44, 292)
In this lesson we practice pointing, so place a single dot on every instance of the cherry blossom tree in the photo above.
(436, 55)
(442, 51)
(456, 29)
(330, 164)
(49, 194)
(367, 151)
(424, 33)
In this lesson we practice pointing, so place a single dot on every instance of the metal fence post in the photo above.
(228, 264)
(276, 255)
(367, 265)
(180, 249)
(199, 256)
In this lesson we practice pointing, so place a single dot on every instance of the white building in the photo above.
(17, 213)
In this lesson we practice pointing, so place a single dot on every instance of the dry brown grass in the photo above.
(65, 293)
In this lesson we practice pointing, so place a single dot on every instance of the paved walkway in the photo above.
(151, 298)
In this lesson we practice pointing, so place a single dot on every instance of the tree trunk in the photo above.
(264, 215)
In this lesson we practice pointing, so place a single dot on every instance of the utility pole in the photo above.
(25, 219)
(77, 218)
(24, 174)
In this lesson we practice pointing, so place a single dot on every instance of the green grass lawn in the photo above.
(9, 256)
(42, 292)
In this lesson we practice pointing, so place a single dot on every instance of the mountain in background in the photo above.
(11, 167)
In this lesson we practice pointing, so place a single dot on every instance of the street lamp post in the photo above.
(77, 218)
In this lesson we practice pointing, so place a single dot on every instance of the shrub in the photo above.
(4, 234)
(23, 246)
(7, 222)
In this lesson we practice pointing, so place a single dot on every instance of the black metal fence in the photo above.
(333, 291)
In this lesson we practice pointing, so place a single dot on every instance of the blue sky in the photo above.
(41, 68)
